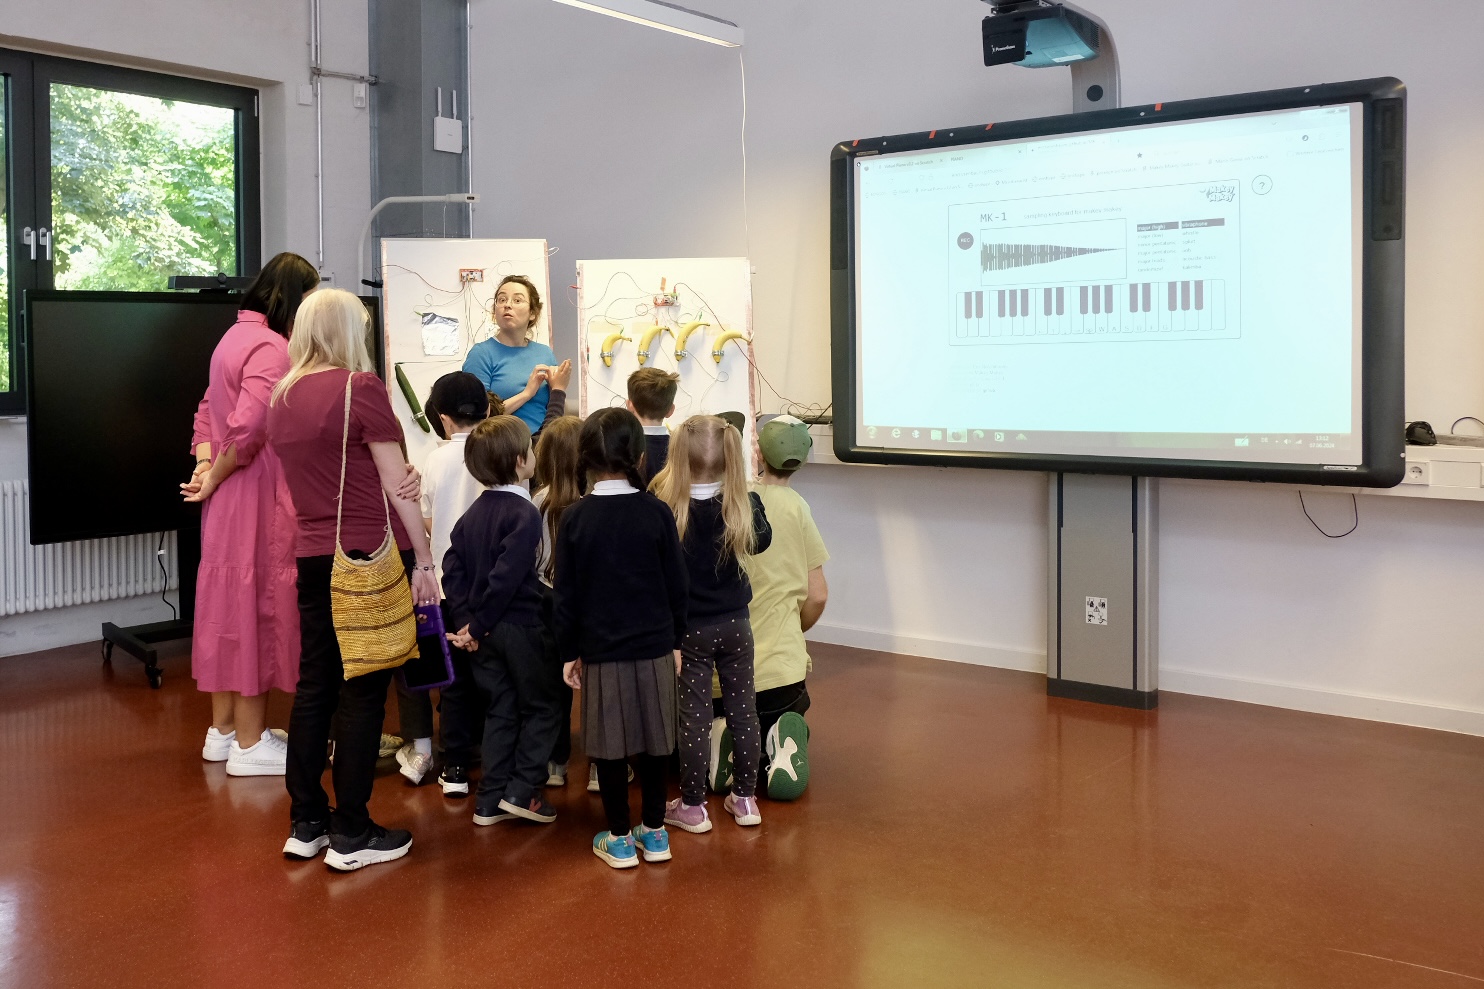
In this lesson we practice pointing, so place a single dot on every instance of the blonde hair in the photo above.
(329, 330)
(559, 474)
(706, 449)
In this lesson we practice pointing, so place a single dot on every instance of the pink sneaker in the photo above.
(687, 818)
(744, 809)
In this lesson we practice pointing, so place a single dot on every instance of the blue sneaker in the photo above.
(654, 843)
(617, 852)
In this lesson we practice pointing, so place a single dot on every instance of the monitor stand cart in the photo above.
(139, 640)
(1102, 614)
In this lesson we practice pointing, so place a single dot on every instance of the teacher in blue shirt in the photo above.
(510, 363)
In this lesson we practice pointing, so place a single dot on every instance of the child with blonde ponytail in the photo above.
(721, 525)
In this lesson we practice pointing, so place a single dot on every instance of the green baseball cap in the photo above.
(785, 442)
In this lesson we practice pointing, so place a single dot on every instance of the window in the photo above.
(116, 179)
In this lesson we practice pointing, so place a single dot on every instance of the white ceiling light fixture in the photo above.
(667, 17)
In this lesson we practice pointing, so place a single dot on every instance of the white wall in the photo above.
(263, 44)
(617, 141)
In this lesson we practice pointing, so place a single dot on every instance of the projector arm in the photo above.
(1098, 74)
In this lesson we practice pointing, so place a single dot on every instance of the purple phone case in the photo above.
(433, 665)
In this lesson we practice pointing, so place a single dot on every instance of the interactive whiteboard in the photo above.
(1182, 289)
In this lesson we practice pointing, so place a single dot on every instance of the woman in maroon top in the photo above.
(305, 422)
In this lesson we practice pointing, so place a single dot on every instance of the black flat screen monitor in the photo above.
(113, 381)
(1203, 289)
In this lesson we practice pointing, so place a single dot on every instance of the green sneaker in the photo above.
(720, 777)
(788, 757)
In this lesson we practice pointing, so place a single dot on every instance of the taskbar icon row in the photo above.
(897, 435)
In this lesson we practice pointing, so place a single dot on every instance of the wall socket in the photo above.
(467, 275)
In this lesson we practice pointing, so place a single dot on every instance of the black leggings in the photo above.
(613, 783)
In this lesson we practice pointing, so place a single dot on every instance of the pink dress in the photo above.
(247, 608)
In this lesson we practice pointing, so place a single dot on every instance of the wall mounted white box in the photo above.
(448, 135)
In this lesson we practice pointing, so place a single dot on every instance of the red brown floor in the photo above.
(962, 829)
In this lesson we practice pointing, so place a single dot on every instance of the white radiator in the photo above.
(36, 578)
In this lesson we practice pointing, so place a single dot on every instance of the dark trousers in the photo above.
(461, 709)
(726, 647)
(414, 712)
(520, 726)
(561, 753)
(613, 785)
(322, 689)
(773, 704)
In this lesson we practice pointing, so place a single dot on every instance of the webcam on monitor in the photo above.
(1038, 34)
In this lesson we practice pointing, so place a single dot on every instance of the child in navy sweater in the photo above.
(620, 609)
(721, 526)
(494, 599)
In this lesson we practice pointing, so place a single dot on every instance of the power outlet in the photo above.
(1418, 472)
(467, 275)
(1097, 611)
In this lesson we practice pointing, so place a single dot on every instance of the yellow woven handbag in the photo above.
(370, 600)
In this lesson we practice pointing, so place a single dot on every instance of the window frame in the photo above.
(29, 179)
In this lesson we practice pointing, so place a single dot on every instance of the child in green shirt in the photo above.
(788, 596)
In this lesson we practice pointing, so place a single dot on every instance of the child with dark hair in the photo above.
(494, 600)
(652, 399)
(456, 404)
(621, 597)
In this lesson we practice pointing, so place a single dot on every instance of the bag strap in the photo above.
(344, 448)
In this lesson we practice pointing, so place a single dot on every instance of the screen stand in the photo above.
(1102, 616)
(139, 640)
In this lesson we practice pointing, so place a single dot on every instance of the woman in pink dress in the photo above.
(246, 639)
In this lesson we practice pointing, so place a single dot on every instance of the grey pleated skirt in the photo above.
(628, 708)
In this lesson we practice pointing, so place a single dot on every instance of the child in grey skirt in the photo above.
(620, 608)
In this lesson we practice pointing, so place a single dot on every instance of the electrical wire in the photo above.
(1465, 419)
(165, 575)
(1354, 506)
(746, 223)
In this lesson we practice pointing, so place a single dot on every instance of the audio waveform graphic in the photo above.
(1004, 257)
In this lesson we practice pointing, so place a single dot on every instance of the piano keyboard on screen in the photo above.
(1131, 311)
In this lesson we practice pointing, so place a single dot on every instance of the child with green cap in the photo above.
(788, 596)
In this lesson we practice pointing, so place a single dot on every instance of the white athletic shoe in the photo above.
(415, 765)
(556, 774)
(267, 758)
(218, 746)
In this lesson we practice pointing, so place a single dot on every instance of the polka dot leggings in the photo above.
(726, 647)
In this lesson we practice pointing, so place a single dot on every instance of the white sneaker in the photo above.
(556, 774)
(218, 746)
(415, 765)
(266, 758)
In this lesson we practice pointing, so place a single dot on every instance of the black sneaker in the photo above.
(536, 809)
(306, 840)
(486, 814)
(455, 781)
(377, 844)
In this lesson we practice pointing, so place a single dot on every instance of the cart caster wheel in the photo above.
(155, 677)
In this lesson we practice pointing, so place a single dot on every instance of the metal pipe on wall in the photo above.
(315, 69)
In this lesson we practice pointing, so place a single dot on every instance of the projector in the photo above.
(1038, 34)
